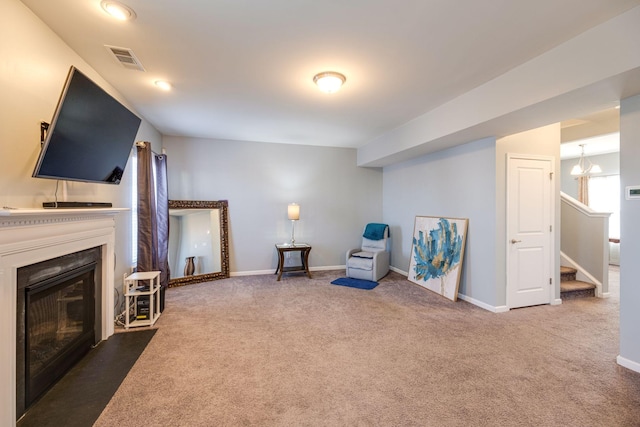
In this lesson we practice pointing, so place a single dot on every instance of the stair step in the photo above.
(567, 274)
(576, 289)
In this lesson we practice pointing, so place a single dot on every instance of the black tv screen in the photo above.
(90, 136)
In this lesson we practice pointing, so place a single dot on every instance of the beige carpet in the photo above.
(251, 351)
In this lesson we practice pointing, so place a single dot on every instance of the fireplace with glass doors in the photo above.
(56, 320)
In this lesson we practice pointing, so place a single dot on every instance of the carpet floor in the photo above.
(81, 395)
(253, 351)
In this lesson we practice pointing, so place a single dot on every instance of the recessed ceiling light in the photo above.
(118, 10)
(163, 84)
(329, 81)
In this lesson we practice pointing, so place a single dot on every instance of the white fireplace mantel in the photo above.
(28, 236)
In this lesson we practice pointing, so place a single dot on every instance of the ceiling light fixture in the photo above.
(582, 169)
(118, 10)
(329, 81)
(162, 84)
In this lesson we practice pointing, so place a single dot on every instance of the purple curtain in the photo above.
(153, 215)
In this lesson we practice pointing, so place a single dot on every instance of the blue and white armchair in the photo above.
(371, 260)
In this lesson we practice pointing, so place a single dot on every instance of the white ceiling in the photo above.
(599, 132)
(601, 144)
(242, 70)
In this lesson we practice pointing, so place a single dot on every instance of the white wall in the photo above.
(630, 230)
(259, 180)
(459, 183)
(33, 69)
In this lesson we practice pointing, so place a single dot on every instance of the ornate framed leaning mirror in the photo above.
(198, 241)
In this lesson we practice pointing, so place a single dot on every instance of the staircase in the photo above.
(571, 288)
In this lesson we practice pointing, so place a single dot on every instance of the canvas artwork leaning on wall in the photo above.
(437, 252)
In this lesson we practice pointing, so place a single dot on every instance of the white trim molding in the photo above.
(629, 364)
(397, 270)
(271, 271)
(488, 307)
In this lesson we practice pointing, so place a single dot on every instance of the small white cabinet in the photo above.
(142, 300)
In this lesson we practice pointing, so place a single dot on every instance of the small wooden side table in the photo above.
(304, 250)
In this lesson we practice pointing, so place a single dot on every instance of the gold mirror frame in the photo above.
(223, 205)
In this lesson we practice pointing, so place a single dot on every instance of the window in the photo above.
(604, 196)
(134, 206)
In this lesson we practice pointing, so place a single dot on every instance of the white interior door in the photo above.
(529, 230)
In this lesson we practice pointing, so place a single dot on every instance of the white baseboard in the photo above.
(322, 268)
(629, 364)
(491, 308)
(328, 268)
(397, 270)
(272, 271)
(251, 273)
(498, 309)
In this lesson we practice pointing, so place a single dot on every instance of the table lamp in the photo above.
(293, 212)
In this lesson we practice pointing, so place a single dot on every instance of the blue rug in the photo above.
(355, 283)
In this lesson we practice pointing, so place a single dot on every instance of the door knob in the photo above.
(514, 241)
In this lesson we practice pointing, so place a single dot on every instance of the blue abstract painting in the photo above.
(437, 253)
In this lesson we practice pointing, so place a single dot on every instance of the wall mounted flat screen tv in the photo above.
(90, 136)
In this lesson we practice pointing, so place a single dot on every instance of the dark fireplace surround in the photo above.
(58, 320)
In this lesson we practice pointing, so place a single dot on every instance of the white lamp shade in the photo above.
(577, 170)
(595, 169)
(293, 212)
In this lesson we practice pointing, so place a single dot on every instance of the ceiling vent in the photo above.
(125, 57)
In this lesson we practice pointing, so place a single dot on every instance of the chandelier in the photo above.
(584, 165)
